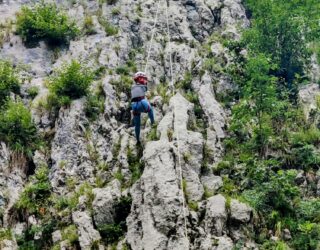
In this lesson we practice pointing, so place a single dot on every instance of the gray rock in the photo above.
(300, 178)
(308, 98)
(190, 147)
(104, 203)
(216, 215)
(212, 182)
(240, 211)
(56, 236)
(224, 243)
(213, 110)
(86, 231)
(287, 234)
(8, 245)
(19, 229)
(69, 152)
(156, 207)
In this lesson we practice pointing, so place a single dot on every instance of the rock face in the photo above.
(240, 211)
(157, 216)
(216, 215)
(104, 203)
(308, 98)
(87, 234)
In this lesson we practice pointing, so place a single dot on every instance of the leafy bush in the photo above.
(44, 230)
(305, 156)
(5, 234)
(45, 21)
(95, 104)
(88, 26)
(9, 81)
(276, 194)
(136, 166)
(70, 82)
(308, 237)
(108, 27)
(33, 91)
(17, 128)
(35, 196)
(70, 234)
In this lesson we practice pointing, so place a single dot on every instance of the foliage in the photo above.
(36, 195)
(95, 104)
(70, 82)
(88, 26)
(70, 234)
(123, 84)
(282, 29)
(5, 234)
(17, 128)
(268, 134)
(45, 21)
(33, 91)
(136, 165)
(9, 81)
(153, 135)
(110, 29)
(44, 230)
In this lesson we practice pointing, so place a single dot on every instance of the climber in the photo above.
(139, 103)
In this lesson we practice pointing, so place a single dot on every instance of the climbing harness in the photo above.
(175, 111)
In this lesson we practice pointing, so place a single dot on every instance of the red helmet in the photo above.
(140, 75)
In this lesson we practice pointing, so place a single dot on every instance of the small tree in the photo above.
(17, 128)
(47, 22)
(70, 82)
(9, 81)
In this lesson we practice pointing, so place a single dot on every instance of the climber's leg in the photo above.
(148, 109)
(151, 116)
(137, 123)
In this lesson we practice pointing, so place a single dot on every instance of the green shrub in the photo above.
(95, 104)
(45, 21)
(36, 194)
(108, 27)
(17, 128)
(33, 91)
(136, 166)
(123, 85)
(5, 234)
(308, 236)
(123, 70)
(193, 205)
(9, 81)
(186, 82)
(153, 134)
(70, 82)
(70, 234)
(305, 157)
(309, 136)
(111, 1)
(88, 26)
(44, 230)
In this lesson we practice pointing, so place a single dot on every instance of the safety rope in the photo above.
(177, 131)
(152, 36)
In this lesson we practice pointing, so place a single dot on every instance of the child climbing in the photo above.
(139, 103)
